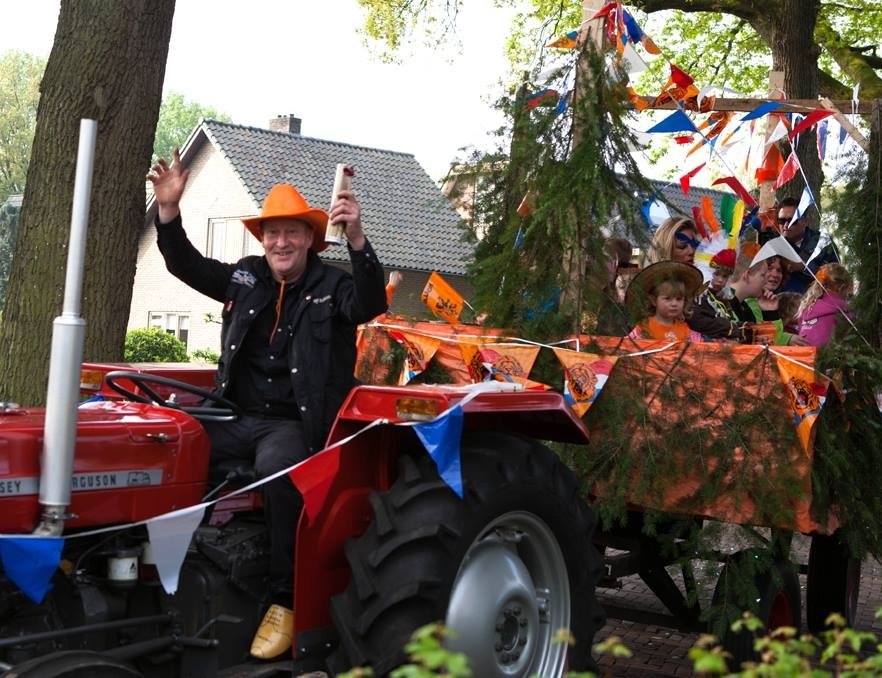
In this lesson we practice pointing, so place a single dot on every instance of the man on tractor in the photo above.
(287, 349)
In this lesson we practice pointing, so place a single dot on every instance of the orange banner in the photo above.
(444, 301)
(585, 374)
(418, 351)
(806, 392)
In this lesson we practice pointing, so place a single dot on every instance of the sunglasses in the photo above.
(787, 220)
(692, 242)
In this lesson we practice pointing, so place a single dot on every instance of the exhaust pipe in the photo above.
(66, 357)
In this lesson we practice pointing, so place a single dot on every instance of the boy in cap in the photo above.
(287, 349)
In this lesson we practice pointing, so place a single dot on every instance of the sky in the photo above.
(258, 59)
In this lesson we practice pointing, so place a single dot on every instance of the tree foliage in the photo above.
(725, 42)
(177, 118)
(20, 75)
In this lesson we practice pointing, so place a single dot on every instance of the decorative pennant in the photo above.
(635, 99)
(471, 356)
(543, 97)
(507, 363)
(632, 63)
(810, 120)
(683, 139)
(805, 201)
(822, 139)
(806, 394)
(738, 188)
(444, 301)
(762, 110)
(679, 77)
(418, 351)
(677, 121)
(170, 537)
(567, 41)
(585, 375)
(441, 438)
(313, 479)
(776, 247)
(684, 180)
(655, 212)
(528, 204)
(791, 167)
(779, 132)
(30, 562)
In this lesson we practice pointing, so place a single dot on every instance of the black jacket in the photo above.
(321, 353)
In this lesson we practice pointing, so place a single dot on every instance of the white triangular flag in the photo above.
(170, 536)
(631, 61)
(779, 132)
(805, 201)
(776, 247)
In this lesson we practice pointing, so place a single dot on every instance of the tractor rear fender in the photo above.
(369, 463)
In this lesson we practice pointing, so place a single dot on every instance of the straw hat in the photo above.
(285, 201)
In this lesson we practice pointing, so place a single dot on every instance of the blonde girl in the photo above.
(824, 303)
(675, 240)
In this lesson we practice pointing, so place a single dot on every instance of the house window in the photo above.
(226, 239)
(177, 324)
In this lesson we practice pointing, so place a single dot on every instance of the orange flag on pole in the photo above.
(444, 301)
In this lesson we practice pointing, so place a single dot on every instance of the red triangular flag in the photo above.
(680, 77)
(739, 189)
(811, 119)
(791, 167)
(313, 479)
(684, 180)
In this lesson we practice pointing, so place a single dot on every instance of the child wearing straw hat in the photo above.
(662, 295)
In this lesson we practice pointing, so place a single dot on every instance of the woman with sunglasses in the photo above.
(675, 240)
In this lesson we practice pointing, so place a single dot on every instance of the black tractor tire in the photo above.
(833, 582)
(779, 605)
(73, 664)
(424, 556)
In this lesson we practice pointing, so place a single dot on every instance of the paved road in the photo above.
(663, 651)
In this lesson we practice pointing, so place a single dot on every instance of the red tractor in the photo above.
(391, 548)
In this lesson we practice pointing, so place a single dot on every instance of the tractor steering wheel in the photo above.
(225, 410)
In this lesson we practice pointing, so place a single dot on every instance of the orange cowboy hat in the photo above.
(285, 201)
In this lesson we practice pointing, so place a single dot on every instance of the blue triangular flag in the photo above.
(843, 135)
(30, 563)
(441, 439)
(519, 238)
(761, 110)
(677, 121)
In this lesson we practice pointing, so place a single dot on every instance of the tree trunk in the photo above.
(107, 63)
(795, 52)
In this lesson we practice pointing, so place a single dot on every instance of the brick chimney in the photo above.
(285, 123)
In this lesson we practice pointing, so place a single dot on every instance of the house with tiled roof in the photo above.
(410, 223)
